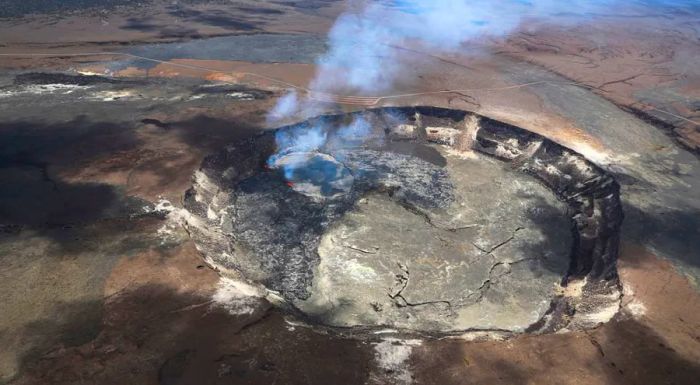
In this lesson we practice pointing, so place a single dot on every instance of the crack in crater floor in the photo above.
(330, 251)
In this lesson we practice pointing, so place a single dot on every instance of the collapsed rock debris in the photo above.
(283, 227)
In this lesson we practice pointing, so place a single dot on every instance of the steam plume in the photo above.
(362, 58)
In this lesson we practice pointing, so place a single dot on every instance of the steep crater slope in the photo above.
(417, 219)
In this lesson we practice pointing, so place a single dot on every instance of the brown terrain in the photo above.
(103, 284)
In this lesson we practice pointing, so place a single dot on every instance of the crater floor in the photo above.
(491, 259)
(404, 226)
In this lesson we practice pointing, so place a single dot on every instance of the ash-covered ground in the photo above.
(103, 282)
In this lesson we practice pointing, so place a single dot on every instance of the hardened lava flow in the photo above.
(419, 219)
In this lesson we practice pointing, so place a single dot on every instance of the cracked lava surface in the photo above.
(433, 222)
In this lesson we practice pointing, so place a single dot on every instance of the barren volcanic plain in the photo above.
(236, 192)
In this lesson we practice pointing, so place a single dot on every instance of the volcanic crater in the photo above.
(416, 219)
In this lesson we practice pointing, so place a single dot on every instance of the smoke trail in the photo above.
(286, 106)
(304, 160)
(362, 58)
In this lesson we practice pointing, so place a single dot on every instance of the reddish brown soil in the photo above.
(650, 55)
(158, 325)
(659, 346)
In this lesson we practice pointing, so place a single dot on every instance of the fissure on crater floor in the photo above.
(417, 219)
